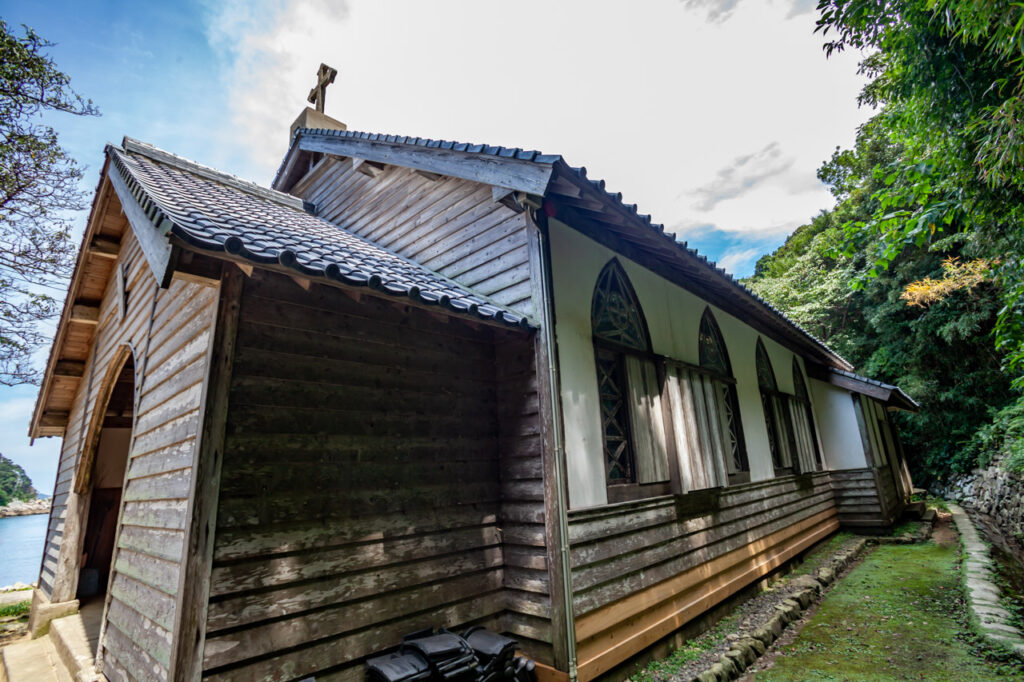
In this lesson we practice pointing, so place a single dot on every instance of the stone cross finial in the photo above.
(324, 77)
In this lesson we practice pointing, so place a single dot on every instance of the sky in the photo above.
(711, 115)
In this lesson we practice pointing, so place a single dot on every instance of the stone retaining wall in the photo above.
(992, 491)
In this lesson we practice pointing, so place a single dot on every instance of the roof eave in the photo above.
(590, 194)
(509, 168)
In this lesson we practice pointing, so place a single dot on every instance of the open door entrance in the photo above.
(107, 481)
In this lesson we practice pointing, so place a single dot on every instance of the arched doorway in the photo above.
(105, 481)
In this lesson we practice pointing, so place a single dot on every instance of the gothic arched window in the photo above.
(714, 358)
(776, 413)
(808, 454)
(628, 384)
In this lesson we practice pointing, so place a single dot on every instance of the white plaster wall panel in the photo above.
(673, 319)
(840, 437)
(575, 265)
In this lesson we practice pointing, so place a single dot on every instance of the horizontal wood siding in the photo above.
(360, 491)
(170, 339)
(526, 578)
(451, 226)
(857, 499)
(643, 569)
(144, 583)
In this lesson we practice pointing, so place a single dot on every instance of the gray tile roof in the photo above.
(517, 153)
(217, 212)
(901, 395)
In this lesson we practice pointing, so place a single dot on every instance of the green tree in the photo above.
(948, 76)
(14, 483)
(941, 354)
(39, 191)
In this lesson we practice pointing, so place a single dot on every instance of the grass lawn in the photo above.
(899, 615)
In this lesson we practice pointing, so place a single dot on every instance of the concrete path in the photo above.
(983, 595)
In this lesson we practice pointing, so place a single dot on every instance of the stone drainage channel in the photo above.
(990, 620)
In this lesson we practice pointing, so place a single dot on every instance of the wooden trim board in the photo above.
(615, 632)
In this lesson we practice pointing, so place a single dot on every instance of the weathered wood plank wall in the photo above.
(522, 522)
(170, 337)
(857, 500)
(361, 493)
(451, 226)
(643, 569)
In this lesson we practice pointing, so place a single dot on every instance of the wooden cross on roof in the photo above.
(324, 77)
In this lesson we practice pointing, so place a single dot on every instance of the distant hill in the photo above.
(14, 483)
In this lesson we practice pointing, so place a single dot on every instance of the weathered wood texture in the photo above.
(170, 338)
(451, 226)
(527, 578)
(857, 497)
(361, 492)
(643, 569)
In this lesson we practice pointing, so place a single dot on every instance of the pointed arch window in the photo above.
(705, 414)
(715, 358)
(629, 389)
(781, 441)
(808, 453)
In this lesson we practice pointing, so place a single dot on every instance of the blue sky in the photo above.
(711, 115)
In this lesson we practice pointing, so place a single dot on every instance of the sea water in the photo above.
(21, 548)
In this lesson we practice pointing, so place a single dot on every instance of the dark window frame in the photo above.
(723, 376)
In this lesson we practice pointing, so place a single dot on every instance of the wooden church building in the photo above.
(420, 383)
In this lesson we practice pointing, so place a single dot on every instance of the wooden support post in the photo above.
(556, 497)
(189, 634)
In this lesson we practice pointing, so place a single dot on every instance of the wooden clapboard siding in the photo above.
(526, 576)
(643, 569)
(146, 577)
(168, 333)
(451, 226)
(361, 493)
(857, 497)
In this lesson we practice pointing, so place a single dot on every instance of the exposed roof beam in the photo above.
(85, 313)
(104, 247)
(69, 368)
(512, 173)
(57, 420)
(433, 177)
(367, 168)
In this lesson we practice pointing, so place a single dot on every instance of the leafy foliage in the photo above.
(39, 187)
(14, 483)
(941, 353)
(949, 78)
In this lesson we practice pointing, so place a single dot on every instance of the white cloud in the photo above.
(718, 11)
(742, 174)
(269, 53)
(738, 260)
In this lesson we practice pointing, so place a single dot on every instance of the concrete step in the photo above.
(915, 510)
(74, 647)
(34, 660)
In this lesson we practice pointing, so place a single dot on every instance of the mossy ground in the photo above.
(899, 615)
